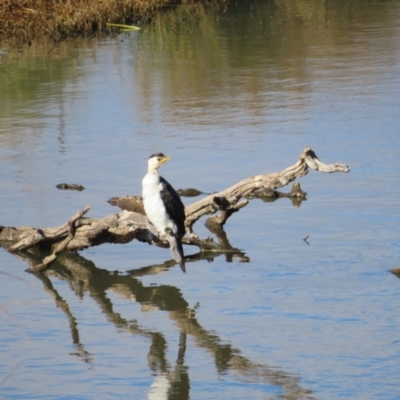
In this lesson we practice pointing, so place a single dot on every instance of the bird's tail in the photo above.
(181, 255)
(176, 249)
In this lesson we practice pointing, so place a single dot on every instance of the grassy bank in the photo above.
(25, 20)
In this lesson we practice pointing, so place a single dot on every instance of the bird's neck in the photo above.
(152, 171)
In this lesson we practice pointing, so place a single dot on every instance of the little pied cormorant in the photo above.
(164, 207)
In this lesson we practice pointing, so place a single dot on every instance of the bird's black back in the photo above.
(173, 205)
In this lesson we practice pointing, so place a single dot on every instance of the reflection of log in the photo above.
(268, 193)
(123, 227)
(226, 358)
(296, 195)
(63, 305)
(73, 268)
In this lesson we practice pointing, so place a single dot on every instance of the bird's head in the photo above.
(156, 160)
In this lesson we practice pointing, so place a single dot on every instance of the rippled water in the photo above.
(228, 94)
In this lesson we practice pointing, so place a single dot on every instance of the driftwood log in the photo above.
(82, 232)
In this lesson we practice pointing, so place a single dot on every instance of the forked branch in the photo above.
(123, 227)
(228, 200)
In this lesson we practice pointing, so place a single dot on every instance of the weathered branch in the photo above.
(123, 227)
(61, 246)
(228, 199)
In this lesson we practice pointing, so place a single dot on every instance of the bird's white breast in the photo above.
(153, 204)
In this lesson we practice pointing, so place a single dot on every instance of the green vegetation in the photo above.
(26, 20)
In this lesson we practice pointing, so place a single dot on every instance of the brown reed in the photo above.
(26, 20)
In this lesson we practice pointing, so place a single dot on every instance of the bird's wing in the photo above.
(173, 205)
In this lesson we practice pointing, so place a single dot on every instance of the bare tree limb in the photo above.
(61, 246)
(228, 199)
(81, 232)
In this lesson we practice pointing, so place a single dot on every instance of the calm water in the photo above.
(228, 94)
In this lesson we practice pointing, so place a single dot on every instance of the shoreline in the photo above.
(34, 19)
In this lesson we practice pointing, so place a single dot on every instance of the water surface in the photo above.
(228, 94)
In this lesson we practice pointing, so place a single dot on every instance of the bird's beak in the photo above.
(165, 159)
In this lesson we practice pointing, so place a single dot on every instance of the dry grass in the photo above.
(59, 19)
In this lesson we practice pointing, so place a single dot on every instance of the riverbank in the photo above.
(58, 20)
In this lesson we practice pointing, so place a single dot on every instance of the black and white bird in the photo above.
(164, 207)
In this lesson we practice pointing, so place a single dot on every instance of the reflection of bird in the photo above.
(164, 207)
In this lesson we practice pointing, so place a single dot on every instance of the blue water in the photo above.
(228, 95)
